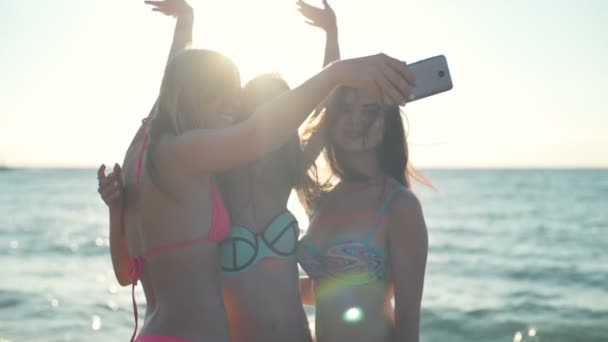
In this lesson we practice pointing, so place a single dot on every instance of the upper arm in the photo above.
(213, 150)
(119, 250)
(408, 246)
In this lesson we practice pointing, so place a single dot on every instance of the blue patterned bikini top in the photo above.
(354, 260)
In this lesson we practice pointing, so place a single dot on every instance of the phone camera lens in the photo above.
(441, 74)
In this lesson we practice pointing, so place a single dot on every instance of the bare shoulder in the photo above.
(405, 214)
(405, 199)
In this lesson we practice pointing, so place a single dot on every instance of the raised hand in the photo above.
(174, 8)
(324, 18)
(110, 186)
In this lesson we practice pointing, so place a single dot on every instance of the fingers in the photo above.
(306, 9)
(398, 84)
(101, 172)
(110, 190)
(303, 4)
(388, 89)
(400, 76)
(161, 6)
(402, 69)
(161, 10)
(109, 183)
(117, 170)
(155, 3)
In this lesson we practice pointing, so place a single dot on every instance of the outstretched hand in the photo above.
(174, 8)
(324, 18)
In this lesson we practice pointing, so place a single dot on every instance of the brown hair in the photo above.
(393, 154)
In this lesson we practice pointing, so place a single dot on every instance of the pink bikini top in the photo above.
(219, 231)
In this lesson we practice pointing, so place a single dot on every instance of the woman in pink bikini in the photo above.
(119, 198)
(173, 216)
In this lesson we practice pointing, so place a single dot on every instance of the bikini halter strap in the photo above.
(385, 204)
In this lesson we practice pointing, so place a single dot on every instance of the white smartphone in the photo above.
(432, 77)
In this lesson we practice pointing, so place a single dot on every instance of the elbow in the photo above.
(124, 279)
(124, 282)
(122, 275)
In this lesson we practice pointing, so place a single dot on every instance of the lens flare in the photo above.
(353, 315)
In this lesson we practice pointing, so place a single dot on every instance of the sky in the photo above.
(77, 76)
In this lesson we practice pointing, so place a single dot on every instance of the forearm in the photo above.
(265, 131)
(182, 36)
(407, 326)
(332, 47)
(118, 246)
(276, 121)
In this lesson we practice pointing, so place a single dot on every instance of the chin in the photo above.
(351, 149)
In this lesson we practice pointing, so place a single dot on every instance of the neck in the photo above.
(366, 164)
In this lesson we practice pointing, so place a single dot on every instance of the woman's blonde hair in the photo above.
(192, 78)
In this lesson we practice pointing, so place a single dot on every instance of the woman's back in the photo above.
(182, 220)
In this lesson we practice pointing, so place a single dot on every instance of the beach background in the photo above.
(515, 255)
(518, 151)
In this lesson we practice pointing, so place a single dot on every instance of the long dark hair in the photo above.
(192, 77)
(393, 154)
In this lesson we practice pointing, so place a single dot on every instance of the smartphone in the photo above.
(432, 77)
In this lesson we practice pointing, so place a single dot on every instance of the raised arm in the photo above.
(324, 18)
(110, 189)
(182, 36)
(273, 123)
(408, 247)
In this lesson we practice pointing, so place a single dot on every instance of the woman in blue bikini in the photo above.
(258, 258)
(367, 240)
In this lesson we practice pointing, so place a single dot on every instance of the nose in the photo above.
(355, 119)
